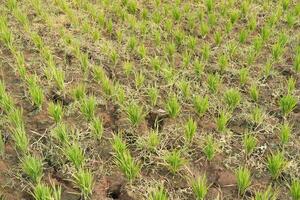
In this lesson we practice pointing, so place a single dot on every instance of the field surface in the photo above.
(149, 99)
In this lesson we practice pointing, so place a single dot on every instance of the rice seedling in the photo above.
(218, 38)
(291, 85)
(79, 92)
(268, 194)
(190, 130)
(223, 62)
(75, 154)
(35, 91)
(249, 143)
(15, 118)
(244, 75)
(135, 113)
(213, 81)
(185, 88)
(200, 187)
(174, 161)
(88, 107)
(210, 147)
(285, 133)
(55, 111)
(152, 141)
(33, 167)
(297, 63)
(139, 80)
(257, 115)
(153, 94)
(254, 92)
(159, 194)
(243, 177)
(97, 128)
(205, 51)
(232, 98)
(287, 104)
(198, 67)
(59, 78)
(60, 133)
(276, 164)
(85, 181)
(295, 189)
(11, 4)
(22, 71)
(41, 192)
(124, 160)
(56, 192)
(173, 106)
(21, 140)
(222, 121)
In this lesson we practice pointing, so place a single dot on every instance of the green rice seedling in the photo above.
(232, 98)
(285, 4)
(22, 18)
(209, 5)
(257, 115)
(210, 147)
(128, 165)
(152, 141)
(107, 86)
(213, 81)
(84, 62)
(174, 161)
(243, 177)
(249, 143)
(155, 64)
(205, 51)
(268, 194)
(139, 80)
(55, 111)
(11, 4)
(41, 192)
(285, 133)
(190, 130)
(291, 85)
(21, 140)
(135, 113)
(119, 93)
(290, 19)
(159, 194)
(97, 128)
(124, 160)
(56, 192)
(22, 71)
(186, 59)
(5, 34)
(153, 94)
(244, 75)
(37, 40)
(234, 16)
(35, 91)
(257, 44)
(198, 67)
(59, 78)
(252, 23)
(128, 68)
(201, 104)
(212, 19)
(15, 118)
(191, 43)
(243, 36)
(79, 92)
(61, 134)
(204, 29)
(295, 189)
(287, 104)
(85, 181)
(200, 187)
(88, 106)
(75, 154)
(265, 33)
(173, 106)
(33, 167)
(170, 50)
(132, 43)
(254, 92)
(6, 101)
(218, 38)
(179, 36)
(276, 164)
(185, 88)
(277, 51)
(223, 62)
(222, 121)
(2, 145)
(142, 51)
(297, 63)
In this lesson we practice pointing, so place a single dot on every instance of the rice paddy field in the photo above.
(149, 99)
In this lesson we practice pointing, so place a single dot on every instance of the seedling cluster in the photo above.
(165, 98)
